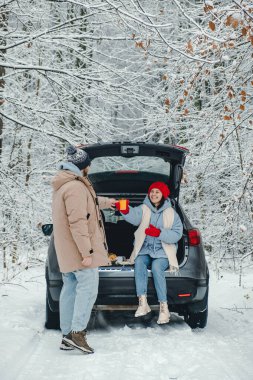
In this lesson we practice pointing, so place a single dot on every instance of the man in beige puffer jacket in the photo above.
(80, 245)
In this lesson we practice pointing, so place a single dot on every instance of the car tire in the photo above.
(52, 318)
(197, 319)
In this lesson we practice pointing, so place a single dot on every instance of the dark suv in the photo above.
(126, 170)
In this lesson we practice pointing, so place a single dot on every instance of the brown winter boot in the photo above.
(143, 307)
(65, 346)
(78, 340)
(164, 315)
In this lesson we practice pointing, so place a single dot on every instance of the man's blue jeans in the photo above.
(78, 295)
(158, 267)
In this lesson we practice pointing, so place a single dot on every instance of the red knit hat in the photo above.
(160, 186)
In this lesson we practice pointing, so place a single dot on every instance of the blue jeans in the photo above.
(158, 266)
(78, 295)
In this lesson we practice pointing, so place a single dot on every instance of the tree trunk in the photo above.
(3, 27)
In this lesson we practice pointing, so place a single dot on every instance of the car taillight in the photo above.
(181, 147)
(184, 295)
(194, 237)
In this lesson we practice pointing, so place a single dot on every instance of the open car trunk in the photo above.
(125, 171)
(120, 239)
(111, 165)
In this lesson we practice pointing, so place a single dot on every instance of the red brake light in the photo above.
(194, 237)
(184, 295)
(181, 147)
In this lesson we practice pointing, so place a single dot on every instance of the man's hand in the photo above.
(112, 203)
(87, 261)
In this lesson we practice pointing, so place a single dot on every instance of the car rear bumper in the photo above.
(122, 291)
(117, 291)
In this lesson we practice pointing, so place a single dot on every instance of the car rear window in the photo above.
(136, 163)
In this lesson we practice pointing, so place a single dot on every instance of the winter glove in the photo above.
(123, 206)
(152, 231)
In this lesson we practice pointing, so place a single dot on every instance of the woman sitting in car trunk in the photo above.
(155, 246)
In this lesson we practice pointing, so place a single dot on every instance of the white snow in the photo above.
(223, 350)
(237, 16)
(243, 228)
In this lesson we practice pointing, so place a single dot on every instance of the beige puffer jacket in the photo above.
(78, 226)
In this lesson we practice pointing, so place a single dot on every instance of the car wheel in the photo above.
(197, 320)
(52, 318)
(197, 313)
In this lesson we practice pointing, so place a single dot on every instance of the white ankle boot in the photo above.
(164, 315)
(143, 307)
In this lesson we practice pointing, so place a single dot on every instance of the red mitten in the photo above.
(123, 206)
(152, 231)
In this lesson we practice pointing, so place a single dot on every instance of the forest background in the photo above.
(176, 72)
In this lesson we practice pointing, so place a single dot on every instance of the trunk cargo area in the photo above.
(120, 239)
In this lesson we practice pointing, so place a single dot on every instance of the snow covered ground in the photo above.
(224, 350)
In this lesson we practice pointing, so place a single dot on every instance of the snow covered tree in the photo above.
(177, 72)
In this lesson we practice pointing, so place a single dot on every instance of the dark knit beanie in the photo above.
(78, 157)
(160, 186)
